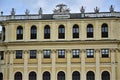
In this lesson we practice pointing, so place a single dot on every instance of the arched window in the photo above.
(32, 76)
(33, 32)
(104, 31)
(75, 31)
(3, 33)
(46, 75)
(105, 75)
(90, 75)
(19, 33)
(1, 76)
(18, 76)
(61, 32)
(89, 31)
(47, 32)
(75, 75)
(61, 75)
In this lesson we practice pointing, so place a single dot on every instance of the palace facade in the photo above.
(60, 46)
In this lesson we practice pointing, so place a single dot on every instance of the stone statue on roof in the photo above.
(111, 8)
(61, 9)
(96, 10)
(13, 12)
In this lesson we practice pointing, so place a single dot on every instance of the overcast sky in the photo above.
(49, 5)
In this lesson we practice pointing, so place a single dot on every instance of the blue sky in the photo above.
(49, 5)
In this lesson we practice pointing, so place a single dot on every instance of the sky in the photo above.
(49, 5)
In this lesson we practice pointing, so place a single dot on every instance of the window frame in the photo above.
(104, 30)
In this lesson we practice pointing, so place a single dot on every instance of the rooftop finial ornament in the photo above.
(27, 12)
(111, 8)
(13, 12)
(1, 13)
(40, 11)
(96, 10)
(82, 10)
(61, 9)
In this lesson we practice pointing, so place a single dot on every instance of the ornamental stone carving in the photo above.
(61, 9)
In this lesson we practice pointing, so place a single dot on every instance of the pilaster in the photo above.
(39, 75)
(113, 64)
(53, 64)
(118, 66)
(83, 73)
(11, 77)
(25, 76)
(97, 52)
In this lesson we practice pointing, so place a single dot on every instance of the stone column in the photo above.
(25, 76)
(39, 75)
(68, 76)
(53, 76)
(83, 73)
(11, 75)
(97, 76)
(113, 64)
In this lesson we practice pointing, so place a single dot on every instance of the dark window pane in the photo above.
(75, 75)
(33, 32)
(18, 54)
(2, 55)
(18, 76)
(90, 75)
(46, 76)
(104, 31)
(75, 53)
(61, 32)
(90, 31)
(1, 76)
(61, 53)
(90, 53)
(61, 75)
(47, 32)
(19, 33)
(33, 54)
(105, 75)
(32, 76)
(46, 53)
(105, 53)
(75, 31)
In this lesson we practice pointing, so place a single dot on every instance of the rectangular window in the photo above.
(105, 53)
(18, 54)
(90, 53)
(2, 55)
(33, 54)
(61, 53)
(75, 53)
(46, 53)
